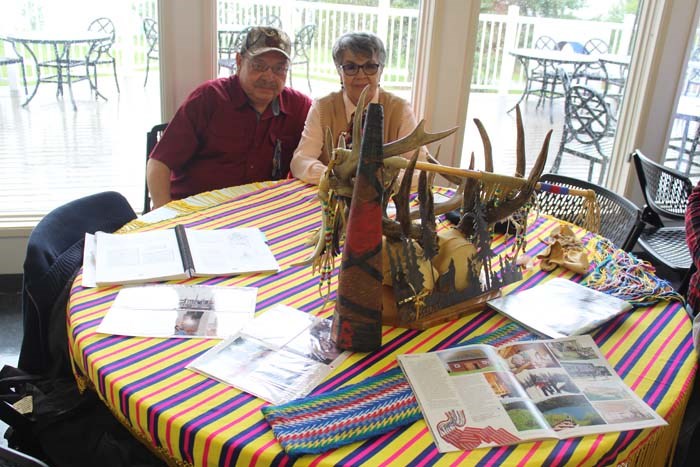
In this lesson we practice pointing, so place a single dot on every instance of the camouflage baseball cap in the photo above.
(261, 39)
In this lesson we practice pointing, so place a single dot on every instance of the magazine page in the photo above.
(214, 312)
(230, 251)
(280, 356)
(575, 388)
(559, 308)
(137, 257)
(470, 398)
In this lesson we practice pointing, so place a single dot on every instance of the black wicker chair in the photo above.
(620, 219)
(152, 137)
(666, 195)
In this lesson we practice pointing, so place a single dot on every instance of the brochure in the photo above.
(483, 396)
(177, 253)
(279, 356)
(560, 308)
(203, 311)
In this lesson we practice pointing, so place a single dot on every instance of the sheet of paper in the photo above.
(180, 311)
(230, 251)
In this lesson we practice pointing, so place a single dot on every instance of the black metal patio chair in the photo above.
(150, 30)
(589, 129)
(620, 218)
(10, 56)
(100, 52)
(302, 46)
(666, 195)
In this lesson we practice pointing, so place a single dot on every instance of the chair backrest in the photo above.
(546, 42)
(226, 44)
(9, 54)
(240, 39)
(302, 42)
(150, 30)
(665, 190)
(106, 26)
(152, 138)
(271, 20)
(620, 219)
(54, 254)
(11, 458)
(587, 116)
(596, 46)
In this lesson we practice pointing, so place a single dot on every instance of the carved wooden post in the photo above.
(357, 322)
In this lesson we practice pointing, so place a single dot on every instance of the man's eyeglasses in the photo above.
(261, 67)
(351, 69)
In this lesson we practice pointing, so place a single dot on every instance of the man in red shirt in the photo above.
(235, 130)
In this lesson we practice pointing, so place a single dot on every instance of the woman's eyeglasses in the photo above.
(351, 69)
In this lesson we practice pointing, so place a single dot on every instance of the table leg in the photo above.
(70, 79)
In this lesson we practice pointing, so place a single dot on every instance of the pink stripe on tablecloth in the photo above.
(238, 439)
(592, 450)
(560, 451)
(432, 454)
(357, 459)
(142, 367)
(666, 374)
(258, 453)
(318, 459)
(140, 400)
(624, 338)
(203, 403)
(533, 450)
(460, 459)
(404, 447)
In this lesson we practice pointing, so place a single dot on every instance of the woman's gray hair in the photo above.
(359, 43)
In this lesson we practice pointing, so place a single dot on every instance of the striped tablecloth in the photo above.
(191, 420)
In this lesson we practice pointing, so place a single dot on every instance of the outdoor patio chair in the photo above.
(271, 20)
(152, 137)
(595, 71)
(620, 218)
(230, 43)
(588, 129)
(100, 53)
(666, 195)
(539, 79)
(300, 53)
(150, 30)
(693, 73)
(10, 56)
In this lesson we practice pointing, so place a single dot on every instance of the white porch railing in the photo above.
(494, 68)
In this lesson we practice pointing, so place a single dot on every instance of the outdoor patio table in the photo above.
(193, 420)
(551, 61)
(61, 43)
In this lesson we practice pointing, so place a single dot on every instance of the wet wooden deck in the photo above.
(51, 154)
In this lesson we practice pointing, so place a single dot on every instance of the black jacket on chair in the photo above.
(54, 256)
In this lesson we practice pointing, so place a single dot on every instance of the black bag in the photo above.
(66, 428)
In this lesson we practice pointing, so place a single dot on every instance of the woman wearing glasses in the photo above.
(359, 58)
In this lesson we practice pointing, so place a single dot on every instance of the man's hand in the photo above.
(158, 181)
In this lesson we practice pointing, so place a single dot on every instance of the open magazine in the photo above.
(482, 396)
(178, 310)
(279, 356)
